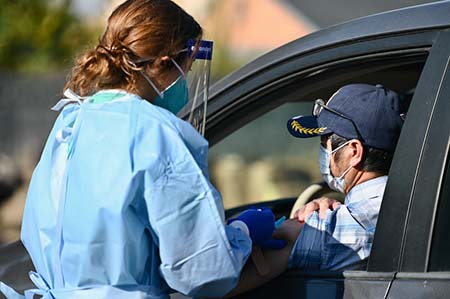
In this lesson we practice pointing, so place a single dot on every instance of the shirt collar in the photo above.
(364, 201)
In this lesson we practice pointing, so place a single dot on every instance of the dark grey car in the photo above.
(406, 50)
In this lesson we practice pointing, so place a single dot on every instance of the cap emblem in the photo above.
(297, 127)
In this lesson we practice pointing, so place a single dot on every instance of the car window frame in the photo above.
(433, 93)
(388, 251)
(440, 242)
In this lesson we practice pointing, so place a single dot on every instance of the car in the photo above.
(407, 50)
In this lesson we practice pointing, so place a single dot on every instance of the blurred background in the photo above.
(39, 40)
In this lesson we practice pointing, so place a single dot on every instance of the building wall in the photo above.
(25, 122)
(249, 27)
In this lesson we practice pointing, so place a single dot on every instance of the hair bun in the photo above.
(112, 52)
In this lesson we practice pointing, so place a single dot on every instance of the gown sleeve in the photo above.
(200, 255)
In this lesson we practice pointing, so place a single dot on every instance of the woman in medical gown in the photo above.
(120, 204)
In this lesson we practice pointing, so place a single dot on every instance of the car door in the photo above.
(421, 266)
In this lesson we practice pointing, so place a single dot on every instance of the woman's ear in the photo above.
(156, 69)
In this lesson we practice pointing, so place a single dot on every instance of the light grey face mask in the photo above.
(335, 183)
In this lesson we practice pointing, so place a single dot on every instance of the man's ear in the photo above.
(357, 152)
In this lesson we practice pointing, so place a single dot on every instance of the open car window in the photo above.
(262, 161)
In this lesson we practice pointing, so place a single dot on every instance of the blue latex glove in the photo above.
(259, 225)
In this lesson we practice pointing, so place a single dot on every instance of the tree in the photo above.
(38, 36)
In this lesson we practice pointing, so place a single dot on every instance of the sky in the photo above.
(89, 8)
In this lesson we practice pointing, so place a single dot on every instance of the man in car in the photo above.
(358, 128)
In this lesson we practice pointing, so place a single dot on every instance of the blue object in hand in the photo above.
(260, 225)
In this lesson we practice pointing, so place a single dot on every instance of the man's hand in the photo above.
(322, 204)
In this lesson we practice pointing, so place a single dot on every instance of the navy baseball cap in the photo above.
(370, 113)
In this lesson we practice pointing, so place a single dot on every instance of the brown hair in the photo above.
(139, 32)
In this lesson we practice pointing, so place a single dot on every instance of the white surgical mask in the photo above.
(335, 183)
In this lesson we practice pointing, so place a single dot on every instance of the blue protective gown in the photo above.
(120, 206)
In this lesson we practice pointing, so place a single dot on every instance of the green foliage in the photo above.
(38, 36)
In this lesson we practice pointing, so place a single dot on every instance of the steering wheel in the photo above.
(314, 191)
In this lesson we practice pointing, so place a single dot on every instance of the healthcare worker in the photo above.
(120, 205)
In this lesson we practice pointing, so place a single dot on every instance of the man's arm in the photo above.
(276, 261)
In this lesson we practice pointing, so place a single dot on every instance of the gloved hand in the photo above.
(259, 224)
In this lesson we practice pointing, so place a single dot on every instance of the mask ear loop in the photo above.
(339, 147)
(160, 94)
(178, 67)
(334, 151)
(344, 173)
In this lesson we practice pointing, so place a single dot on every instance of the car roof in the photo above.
(414, 18)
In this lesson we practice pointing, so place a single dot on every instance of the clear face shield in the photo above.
(198, 83)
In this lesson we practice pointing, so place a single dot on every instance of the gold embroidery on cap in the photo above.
(308, 131)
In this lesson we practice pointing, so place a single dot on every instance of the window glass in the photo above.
(262, 161)
(440, 248)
